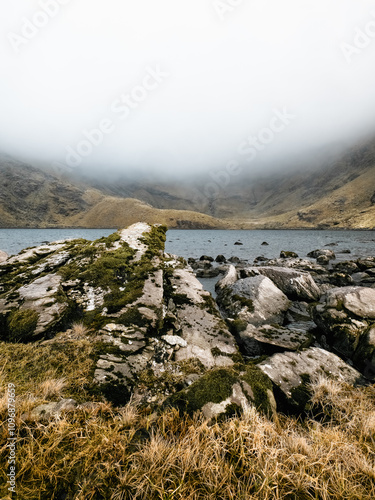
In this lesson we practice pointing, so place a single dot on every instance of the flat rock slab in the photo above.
(291, 373)
(260, 340)
(206, 336)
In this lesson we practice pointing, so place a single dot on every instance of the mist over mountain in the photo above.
(331, 190)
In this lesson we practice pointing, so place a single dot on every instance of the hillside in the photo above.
(333, 193)
(30, 197)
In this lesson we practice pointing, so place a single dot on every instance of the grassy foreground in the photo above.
(119, 454)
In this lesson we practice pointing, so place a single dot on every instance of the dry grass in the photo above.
(123, 454)
(80, 330)
(47, 372)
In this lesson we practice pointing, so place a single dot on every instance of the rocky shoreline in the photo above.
(162, 340)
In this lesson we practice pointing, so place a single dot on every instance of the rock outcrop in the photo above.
(157, 329)
(162, 340)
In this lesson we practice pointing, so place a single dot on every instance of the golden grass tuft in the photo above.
(80, 330)
(52, 388)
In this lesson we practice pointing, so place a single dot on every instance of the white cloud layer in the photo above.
(67, 65)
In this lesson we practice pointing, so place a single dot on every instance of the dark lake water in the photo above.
(194, 243)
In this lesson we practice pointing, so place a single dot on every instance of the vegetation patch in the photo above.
(244, 302)
(155, 241)
(215, 387)
(261, 386)
(22, 325)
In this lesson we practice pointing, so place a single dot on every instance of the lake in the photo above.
(194, 243)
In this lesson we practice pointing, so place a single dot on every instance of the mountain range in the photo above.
(326, 191)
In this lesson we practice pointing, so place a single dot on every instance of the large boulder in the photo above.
(344, 315)
(364, 356)
(255, 300)
(296, 285)
(228, 279)
(291, 373)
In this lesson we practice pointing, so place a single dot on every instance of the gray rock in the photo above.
(364, 356)
(323, 260)
(296, 285)
(174, 340)
(40, 296)
(324, 251)
(223, 391)
(208, 273)
(254, 300)
(3, 256)
(291, 373)
(367, 263)
(228, 279)
(341, 279)
(221, 259)
(49, 411)
(133, 236)
(300, 264)
(206, 258)
(347, 267)
(284, 254)
(256, 341)
(234, 260)
(344, 315)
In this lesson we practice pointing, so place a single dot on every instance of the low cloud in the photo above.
(75, 86)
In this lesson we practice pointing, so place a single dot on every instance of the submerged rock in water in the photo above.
(324, 252)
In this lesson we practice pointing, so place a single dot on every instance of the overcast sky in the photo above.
(183, 85)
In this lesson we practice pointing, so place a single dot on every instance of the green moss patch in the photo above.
(22, 325)
(215, 387)
(260, 385)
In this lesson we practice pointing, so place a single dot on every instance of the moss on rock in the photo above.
(22, 324)
(213, 387)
